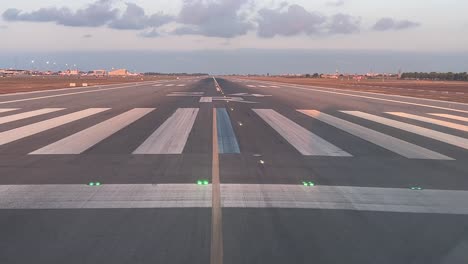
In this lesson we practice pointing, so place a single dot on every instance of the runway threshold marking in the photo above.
(306, 142)
(396, 145)
(4, 110)
(216, 256)
(454, 117)
(432, 134)
(431, 121)
(32, 129)
(85, 139)
(172, 135)
(20, 116)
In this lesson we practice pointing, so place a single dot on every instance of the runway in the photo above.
(123, 174)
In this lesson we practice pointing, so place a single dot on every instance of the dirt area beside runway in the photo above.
(439, 90)
(37, 83)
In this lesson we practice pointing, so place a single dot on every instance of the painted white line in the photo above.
(16, 117)
(396, 145)
(300, 138)
(181, 85)
(32, 129)
(83, 140)
(75, 88)
(4, 110)
(186, 94)
(252, 86)
(170, 85)
(454, 117)
(206, 99)
(67, 94)
(333, 91)
(172, 135)
(78, 196)
(432, 134)
(344, 198)
(81, 196)
(262, 86)
(431, 121)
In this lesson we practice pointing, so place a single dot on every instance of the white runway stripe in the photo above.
(396, 145)
(170, 137)
(170, 85)
(300, 138)
(32, 129)
(431, 121)
(443, 137)
(16, 117)
(4, 110)
(252, 86)
(80, 196)
(454, 117)
(83, 140)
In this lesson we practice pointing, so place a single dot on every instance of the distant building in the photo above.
(99, 73)
(11, 72)
(119, 72)
(70, 72)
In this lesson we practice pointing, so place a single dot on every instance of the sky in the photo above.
(380, 31)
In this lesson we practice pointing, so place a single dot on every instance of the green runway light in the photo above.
(203, 182)
(308, 184)
(416, 188)
(94, 184)
(91, 184)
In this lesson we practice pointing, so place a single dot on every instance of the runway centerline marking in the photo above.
(216, 256)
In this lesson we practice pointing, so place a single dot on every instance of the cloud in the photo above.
(99, 13)
(297, 20)
(87, 36)
(344, 24)
(134, 18)
(220, 18)
(387, 23)
(153, 33)
(336, 3)
(96, 14)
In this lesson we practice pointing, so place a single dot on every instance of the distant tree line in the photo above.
(315, 75)
(443, 76)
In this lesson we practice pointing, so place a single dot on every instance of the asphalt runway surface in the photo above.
(224, 170)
